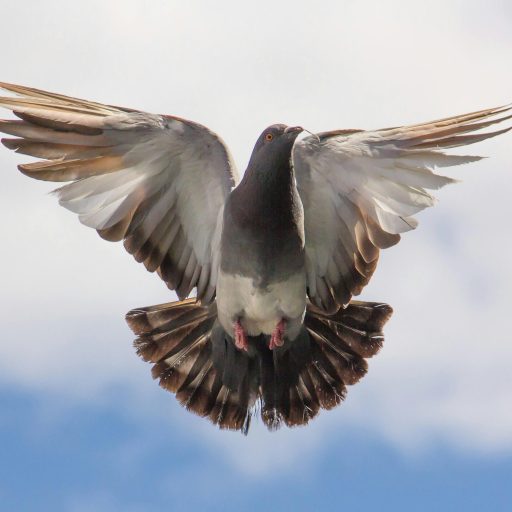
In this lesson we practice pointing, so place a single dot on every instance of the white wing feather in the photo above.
(361, 189)
(157, 182)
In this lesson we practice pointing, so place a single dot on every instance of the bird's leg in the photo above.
(277, 337)
(241, 341)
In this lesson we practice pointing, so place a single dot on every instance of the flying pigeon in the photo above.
(275, 258)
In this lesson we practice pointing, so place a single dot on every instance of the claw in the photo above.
(277, 337)
(241, 341)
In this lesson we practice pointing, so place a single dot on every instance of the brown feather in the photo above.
(436, 133)
(118, 231)
(41, 134)
(54, 98)
(454, 120)
(369, 252)
(378, 236)
(67, 124)
(164, 316)
(69, 170)
(462, 140)
(153, 251)
(49, 151)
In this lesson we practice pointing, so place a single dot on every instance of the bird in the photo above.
(275, 258)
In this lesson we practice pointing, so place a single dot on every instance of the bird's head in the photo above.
(274, 146)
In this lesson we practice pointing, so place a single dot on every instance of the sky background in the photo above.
(82, 425)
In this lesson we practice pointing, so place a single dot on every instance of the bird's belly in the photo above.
(260, 309)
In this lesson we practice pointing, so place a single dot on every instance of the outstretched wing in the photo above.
(361, 189)
(157, 182)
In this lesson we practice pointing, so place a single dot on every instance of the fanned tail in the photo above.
(196, 359)
(329, 354)
(177, 337)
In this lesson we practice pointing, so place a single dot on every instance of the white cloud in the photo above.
(444, 372)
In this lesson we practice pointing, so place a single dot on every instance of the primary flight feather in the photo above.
(275, 258)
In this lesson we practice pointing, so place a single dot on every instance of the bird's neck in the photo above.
(271, 188)
(267, 197)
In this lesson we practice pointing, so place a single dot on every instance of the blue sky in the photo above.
(84, 428)
(89, 460)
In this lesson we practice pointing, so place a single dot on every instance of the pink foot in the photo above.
(240, 337)
(277, 337)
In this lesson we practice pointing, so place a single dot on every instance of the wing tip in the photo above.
(9, 143)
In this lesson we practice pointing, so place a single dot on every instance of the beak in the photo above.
(294, 129)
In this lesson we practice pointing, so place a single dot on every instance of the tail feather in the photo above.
(359, 325)
(166, 317)
(177, 337)
(195, 359)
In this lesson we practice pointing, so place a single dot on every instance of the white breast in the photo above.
(260, 310)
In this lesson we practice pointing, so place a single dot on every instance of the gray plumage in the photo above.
(275, 259)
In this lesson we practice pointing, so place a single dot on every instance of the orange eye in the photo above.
(269, 137)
